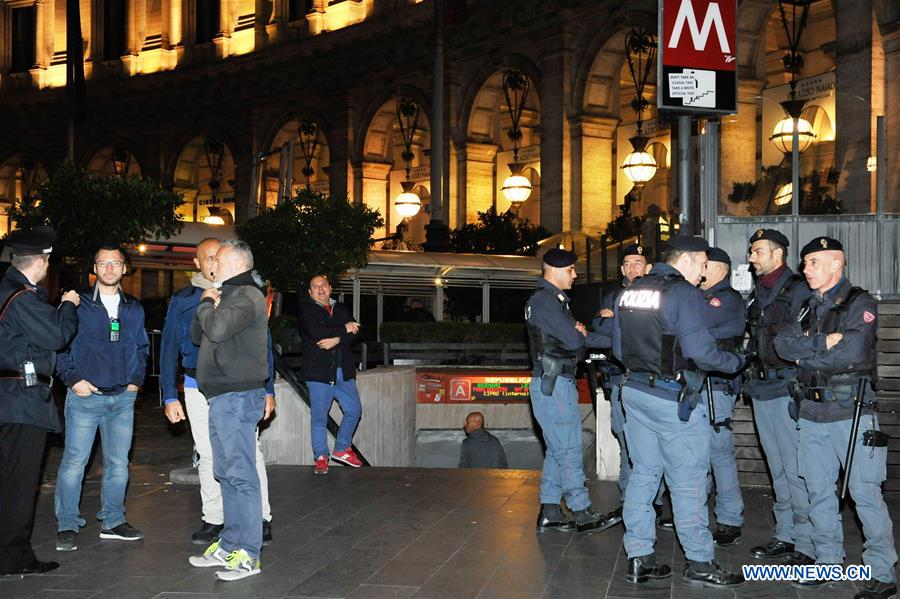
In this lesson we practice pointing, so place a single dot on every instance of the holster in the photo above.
(689, 394)
(551, 368)
(797, 392)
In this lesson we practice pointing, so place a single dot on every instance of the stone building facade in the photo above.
(164, 77)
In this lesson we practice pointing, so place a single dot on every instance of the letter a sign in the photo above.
(698, 56)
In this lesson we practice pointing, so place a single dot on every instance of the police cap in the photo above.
(718, 255)
(770, 235)
(559, 258)
(688, 243)
(31, 242)
(633, 250)
(821, 244)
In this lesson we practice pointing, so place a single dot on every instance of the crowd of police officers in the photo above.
(685, 347)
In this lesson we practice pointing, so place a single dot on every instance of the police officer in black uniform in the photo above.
(556, 341)
(777, 296)
(833, 343)
(31, 332)
(662, 340)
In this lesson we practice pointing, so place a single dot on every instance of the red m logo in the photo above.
(699, 35)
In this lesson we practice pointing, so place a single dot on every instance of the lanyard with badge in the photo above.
(114, 330)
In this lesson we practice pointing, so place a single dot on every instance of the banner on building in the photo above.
(697, 69)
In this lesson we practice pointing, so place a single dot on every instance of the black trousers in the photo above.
(21, 451)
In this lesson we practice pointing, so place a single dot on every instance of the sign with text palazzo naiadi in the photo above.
(697, 70)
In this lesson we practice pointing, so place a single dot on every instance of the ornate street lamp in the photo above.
(121, 161)
(407, 203)
(309, 141)
(215, 155)
(640, 49)
(516, 188)
(783, 135)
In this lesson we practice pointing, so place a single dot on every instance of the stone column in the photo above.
(592, 172)
(477, 181)
(555, 92)
(740, 144)
(853, 118)
(222, 39)
(172, 33)
(374, 186)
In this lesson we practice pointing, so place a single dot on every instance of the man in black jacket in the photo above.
(480, 449)
(31, 332)
(327, 329)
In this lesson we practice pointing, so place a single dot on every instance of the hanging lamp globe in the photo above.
(639, 165)
(784, 195)
(516, 188)
(407, 203)
(783, 134)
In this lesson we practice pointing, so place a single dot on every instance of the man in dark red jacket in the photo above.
(327, 329)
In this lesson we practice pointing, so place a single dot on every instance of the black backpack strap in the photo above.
(9, 300)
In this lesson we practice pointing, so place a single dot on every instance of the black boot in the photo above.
(588, 521)
(813, 583)
(644, 568)
(875, 589)
(727, 535)
(711, 575)
(207, 533)
(799, 559)
(551, 517)
(663, 522)
(773, 549)
(267, 532)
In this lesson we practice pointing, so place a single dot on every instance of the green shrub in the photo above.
(452, 332)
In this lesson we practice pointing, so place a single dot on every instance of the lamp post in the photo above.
(640, 49)
(517, 187)
(309, 141)
(121, 161)
(407, 203)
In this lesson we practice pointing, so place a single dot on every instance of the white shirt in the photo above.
(111, 303)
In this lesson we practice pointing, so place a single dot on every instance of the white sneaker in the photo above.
(240, 565)
(213, 556)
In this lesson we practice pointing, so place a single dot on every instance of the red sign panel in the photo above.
(479, 386)
(698, 56)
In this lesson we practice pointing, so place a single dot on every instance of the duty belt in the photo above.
(652, 380)
(568, 369)
(823, 394)
(15, 374)
(766, 373)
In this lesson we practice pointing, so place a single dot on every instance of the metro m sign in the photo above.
(698, 62)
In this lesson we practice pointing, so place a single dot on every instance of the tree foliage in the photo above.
(498, 234)
(310, 234)
(88, 211)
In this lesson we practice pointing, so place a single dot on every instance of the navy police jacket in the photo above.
(176, 343)
(726, 317)
(859, 325)
(110, 366)
(545, 311)
(682, 312)
(30, 330)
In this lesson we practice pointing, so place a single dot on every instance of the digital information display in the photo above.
(479, 386)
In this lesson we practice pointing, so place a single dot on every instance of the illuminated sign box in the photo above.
(449, 386)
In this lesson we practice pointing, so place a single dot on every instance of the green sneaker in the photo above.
(213, 556)
(239, 565)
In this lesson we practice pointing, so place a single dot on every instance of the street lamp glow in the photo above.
(784, 195)
(639, 167)
(783, 135)
(517, 187)
(407, 203)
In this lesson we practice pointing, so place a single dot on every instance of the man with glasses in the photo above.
(103, 369)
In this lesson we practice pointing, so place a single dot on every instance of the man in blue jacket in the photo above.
(726, 318)
(103, 369)
(177, 346)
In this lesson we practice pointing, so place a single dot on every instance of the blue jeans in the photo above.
(114, 416)
(560, 420)
(617, 424)
(729, 503)
(780, 441)
(823, 449)
(320, 396)
(232, 433)
(661, 444)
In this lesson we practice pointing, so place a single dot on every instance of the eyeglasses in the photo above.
(107, 263)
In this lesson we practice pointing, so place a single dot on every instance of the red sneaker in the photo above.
(321, 466)
(347, 458)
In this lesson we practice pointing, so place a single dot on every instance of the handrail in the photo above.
(289, 375)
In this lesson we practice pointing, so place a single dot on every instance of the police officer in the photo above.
(556, 340)
(31, 332)
(776, 298)
(666, 345)
(726, 318)
(634, 265)
(833, 343)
